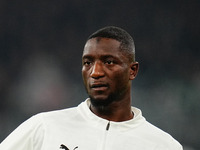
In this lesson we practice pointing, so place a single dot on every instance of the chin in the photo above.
(99, 101)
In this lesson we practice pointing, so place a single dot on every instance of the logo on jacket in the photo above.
(62, 146)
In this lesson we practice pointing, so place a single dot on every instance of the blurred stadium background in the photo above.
(41, 44)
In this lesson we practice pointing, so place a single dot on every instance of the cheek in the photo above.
(84, 76)
(121, 77)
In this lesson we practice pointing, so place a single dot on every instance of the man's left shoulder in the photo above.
(162, 138)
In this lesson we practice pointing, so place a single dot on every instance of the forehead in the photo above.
(101, 46)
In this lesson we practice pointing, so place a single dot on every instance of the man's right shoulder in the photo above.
(57, 114)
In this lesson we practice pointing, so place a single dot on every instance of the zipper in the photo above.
(104, 140)
(108, 126)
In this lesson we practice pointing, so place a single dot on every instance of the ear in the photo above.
(134, 67)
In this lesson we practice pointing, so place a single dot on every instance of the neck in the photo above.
(116, 111)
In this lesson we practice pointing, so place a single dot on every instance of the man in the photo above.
(106, 120)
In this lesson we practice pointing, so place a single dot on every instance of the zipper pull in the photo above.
(108, 126)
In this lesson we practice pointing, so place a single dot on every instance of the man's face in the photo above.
(106, 71)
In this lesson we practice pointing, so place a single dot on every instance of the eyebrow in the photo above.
(101, 57)
(87, 57)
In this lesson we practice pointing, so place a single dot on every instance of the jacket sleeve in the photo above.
(28, 136)
(171, 145)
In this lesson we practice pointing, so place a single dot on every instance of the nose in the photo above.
(97, 70)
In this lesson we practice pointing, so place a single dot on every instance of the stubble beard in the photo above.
(104, 103)
(101, 103)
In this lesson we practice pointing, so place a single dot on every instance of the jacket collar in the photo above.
(89, 116)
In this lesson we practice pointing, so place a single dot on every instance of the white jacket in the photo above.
(78, 128)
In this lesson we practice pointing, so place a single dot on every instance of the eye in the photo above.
(109, 62)
(87, 63)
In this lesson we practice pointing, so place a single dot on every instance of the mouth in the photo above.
(99, 87)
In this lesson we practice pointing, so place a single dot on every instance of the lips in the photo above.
(99, 86)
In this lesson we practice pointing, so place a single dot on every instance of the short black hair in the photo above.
(127, 44)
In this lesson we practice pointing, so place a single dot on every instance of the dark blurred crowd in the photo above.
(41, 44)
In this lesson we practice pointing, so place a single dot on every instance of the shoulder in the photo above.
(56, 115)
(31, 132)
(151, 134)
(39, 121)
(162, 138)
